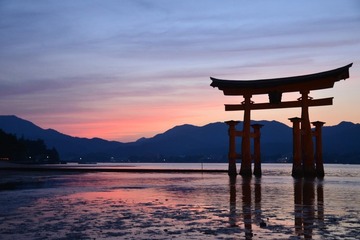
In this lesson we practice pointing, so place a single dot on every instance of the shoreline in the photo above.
(132, 168)
(125, 169)
(96, 168)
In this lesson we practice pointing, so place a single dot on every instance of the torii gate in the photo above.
(303, 152)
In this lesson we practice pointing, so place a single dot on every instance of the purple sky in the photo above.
(122, 70)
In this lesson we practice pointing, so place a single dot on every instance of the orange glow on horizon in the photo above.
(129, 118)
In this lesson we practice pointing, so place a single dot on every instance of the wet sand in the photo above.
(108, 205)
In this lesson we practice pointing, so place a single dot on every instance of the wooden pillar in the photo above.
(245, 169)
(232, 147)
(297, 169)
(257, 152)
(318, 149)
(306, 137)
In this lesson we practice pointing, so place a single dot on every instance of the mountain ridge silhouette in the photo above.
(189, 143)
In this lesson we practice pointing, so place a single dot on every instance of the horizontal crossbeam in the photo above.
(289, 104)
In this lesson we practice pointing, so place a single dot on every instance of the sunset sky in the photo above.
(126, 69)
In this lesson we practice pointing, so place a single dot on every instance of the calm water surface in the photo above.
(120, 205)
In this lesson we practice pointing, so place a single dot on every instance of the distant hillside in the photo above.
(67, 146)
(187, 143)
(208, 143)
(21, 150)
(341, 143)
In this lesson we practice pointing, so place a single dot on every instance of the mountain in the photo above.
(187, 140)
(209, 142)
(189, 143)
(341, 143)
(67, 146)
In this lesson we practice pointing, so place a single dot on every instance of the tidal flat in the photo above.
(120, 205)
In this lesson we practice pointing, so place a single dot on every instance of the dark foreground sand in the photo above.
(176, 206)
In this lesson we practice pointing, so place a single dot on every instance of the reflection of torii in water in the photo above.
(303, 161)
(308, 214)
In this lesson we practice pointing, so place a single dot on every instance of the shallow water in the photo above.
(111, 205)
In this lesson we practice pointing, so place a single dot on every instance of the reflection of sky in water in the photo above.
(179, 206)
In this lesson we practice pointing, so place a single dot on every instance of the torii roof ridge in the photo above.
(313, 81)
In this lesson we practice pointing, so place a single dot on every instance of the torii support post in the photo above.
(245, 169)
(306, 137)
(232, 147)
(297, 169)
(257, 152)
(318, 149)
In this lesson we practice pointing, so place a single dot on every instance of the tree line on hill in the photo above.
(20, 150)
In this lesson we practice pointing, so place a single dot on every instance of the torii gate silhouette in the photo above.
(303, 149)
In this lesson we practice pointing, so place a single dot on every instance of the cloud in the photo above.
(81, 62)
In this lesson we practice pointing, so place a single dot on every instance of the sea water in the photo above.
(124, 205)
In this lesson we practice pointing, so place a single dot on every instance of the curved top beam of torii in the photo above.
(308, 82)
